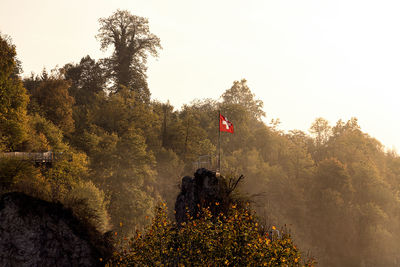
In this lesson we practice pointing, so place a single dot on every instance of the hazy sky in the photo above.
(304, 59)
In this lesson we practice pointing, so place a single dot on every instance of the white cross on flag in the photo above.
(225, 125)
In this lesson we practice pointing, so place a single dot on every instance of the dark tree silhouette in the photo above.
(133, 42)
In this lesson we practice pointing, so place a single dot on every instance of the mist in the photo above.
(334, 187)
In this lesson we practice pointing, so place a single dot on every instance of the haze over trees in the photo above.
(336, 188)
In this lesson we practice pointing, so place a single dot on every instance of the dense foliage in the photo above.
(234, 239)
(336, 187)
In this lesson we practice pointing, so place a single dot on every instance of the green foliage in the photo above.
(131, 206)
(69, 168)
(240, 94)
(336, 187)
(124, 169)
(49, 94)
(44, 135)
(87, 79)
(62, 183)
(170, 170)
(22, 176)
(94, 201)
(231, 240)
(13, 100)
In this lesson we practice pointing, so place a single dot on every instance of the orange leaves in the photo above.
(227, 239)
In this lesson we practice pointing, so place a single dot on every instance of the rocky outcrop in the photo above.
(34, 232)
(204, 190)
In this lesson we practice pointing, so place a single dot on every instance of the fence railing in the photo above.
(206, 161)
(37, 157)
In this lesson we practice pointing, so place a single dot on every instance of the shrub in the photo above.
(94, 205)
(233, 240)
(22, 176)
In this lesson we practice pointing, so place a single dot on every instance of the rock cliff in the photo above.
(34, 232)
(204, 190)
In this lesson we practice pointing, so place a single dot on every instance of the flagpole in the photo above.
(219, 143)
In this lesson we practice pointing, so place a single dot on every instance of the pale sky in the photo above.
(304, 58)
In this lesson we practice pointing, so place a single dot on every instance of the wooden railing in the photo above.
(37, 157)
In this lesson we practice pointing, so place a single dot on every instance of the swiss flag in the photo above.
(225, 125)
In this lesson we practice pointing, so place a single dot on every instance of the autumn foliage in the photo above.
(336, 186)
(235, 239)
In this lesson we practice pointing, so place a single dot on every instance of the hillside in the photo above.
(120, 153)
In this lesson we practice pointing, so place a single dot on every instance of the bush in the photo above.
(22, 176)
(232, 240)
(94, 205)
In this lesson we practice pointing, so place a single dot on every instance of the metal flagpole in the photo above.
(219, 143)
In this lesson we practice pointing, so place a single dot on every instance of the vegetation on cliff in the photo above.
(232, 239)
(336, 187)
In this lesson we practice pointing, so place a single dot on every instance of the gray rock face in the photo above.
(34, 232)
(202, 191)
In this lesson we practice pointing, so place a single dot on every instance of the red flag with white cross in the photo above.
(225, 125)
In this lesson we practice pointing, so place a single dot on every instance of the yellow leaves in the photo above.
(120, 224)
(227, 239)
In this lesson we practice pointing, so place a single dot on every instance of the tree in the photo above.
(350, 145)
(44, 135)
(240, 94)
(125, 171)
(87, 78)
(169, 168)
(51, 98)
(13, 99)
(132, 41)
(322, 132)
(88, 83)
